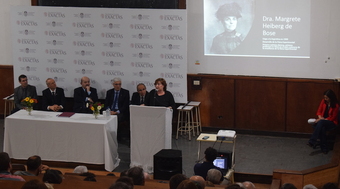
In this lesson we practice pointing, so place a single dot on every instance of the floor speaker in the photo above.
(167, 163)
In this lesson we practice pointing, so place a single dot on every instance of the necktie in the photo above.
(53, 96)
(115, 101)
(142, 100)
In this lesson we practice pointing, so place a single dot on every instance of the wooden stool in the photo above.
(185, 118)
(197, 119)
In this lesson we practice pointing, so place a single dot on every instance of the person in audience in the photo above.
(80, 169)
(187, 184)
(202, 169)
(175, 180)
(34, 184)
(124, 173)
(234, 186)
(160, 96)
(329, 185)
(214, 176)
(137, 175)
(117, 100)
(309, 186)
(53, 176)
(5, 168)
(139, 97)
(83, 96)
(248, 185)
(53, 98)
(120, 185)
(23, 91)
(327, 120)
(288, 186)
(200, 181)
(34, 167)
(127, 180)
(224, 43)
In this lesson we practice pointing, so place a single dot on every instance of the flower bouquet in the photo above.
(29, 102)
(96, 107)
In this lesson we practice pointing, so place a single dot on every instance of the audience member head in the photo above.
(214, 176)
(137, 175)
(23, 80)
(85, 81)
(51, 84)
(80, 169)
(175, 180)
(124, 173)
(52, 176)
(5, 162)
(288, 186)
(120, 185)
(141, 89)
(127, 180)
(200, 180)
(33, 164)
(187, 184)
(161, 84)
(248, 185)
(234, 186)
(309, 186)
(34, 184)
(210, 154)
(329, 185)
(117, 83)
(330, 97)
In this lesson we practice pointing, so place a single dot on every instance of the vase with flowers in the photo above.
(29, 102)
(96, 107)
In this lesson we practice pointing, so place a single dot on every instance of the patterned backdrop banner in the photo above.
(137, 45)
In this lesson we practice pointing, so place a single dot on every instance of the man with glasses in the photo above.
(118, 101)
(139, 97)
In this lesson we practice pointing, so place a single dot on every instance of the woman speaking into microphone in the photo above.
(160, 96)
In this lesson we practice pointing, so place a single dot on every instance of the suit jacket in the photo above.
(49, 100)
(135, 100)
(19, 95)
(123, 101)
(79, 96)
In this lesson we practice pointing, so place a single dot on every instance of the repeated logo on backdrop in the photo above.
(66, 44)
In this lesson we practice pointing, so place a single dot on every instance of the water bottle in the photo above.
(108, 113)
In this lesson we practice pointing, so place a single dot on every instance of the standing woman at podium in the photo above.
(160, 96)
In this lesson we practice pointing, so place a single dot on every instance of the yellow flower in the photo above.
(27, 99)
(92, 108)
(99, 107)
(31, 101)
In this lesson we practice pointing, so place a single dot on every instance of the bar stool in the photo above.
(185, 118)
(197, 119)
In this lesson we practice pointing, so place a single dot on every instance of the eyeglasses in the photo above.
(117, 84)
(141, 89)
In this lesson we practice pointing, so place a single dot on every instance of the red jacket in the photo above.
(332, 113)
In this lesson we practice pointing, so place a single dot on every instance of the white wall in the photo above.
(325, 42)
(5, 29)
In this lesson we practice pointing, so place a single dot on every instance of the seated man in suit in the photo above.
(118, 101)
(53, 98)
(139, 97)
(23, 91)
(83, 96)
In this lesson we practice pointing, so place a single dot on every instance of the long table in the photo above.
(79, 138)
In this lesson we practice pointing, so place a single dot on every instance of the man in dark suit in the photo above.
(139, 97)
(23, 91)
(53, 98)
(117, 99)
(83, 96)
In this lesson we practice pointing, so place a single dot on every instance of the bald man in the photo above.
(199, 180)
(83, 96)
(53, 98)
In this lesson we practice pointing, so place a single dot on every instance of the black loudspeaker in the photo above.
(167, 163)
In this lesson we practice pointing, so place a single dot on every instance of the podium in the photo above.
(151, 131)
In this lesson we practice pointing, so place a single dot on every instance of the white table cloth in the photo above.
(79, 138)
